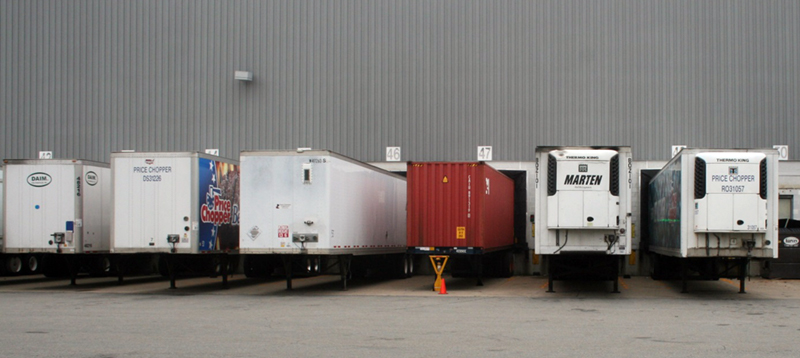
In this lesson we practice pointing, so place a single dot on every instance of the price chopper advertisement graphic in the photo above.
(219, 212)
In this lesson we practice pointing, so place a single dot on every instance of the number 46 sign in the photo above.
(392, 154)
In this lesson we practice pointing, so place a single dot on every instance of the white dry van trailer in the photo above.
(56, 206)
(711, 211)
(315, 207)
(182, 206)
(2, 203)
(583, 211)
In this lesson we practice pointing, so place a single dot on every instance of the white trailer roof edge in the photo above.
(619, 148)
(56, 162)
(768, 151)
(323, 152)
(172, 155)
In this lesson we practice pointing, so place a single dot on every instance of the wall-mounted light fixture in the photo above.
(243, 76)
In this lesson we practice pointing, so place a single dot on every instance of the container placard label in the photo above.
(461, 232)
(283, 231)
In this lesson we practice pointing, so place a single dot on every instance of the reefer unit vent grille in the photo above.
(614, 182)
(552, 176)
(699, 178)
(763, 189)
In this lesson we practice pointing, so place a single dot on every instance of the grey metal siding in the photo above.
(438, 78)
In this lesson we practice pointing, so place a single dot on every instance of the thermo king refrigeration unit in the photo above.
(711, 211)
(583, 211)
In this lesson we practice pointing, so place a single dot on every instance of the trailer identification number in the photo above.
(733, 188)
(461, 232)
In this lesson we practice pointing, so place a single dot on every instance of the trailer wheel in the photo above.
(233, 264)
(100, 266)
(32, 264)
(408, 266)
(309, 265)
(13, 265)
(216, 266)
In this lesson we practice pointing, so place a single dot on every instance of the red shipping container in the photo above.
(459, 205)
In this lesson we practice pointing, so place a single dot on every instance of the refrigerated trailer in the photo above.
(712, 211)
(318, 207)
(56, 216)
(182, 207)
(583, 211)
(462, 210)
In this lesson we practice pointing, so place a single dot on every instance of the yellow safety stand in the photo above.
(438, 262)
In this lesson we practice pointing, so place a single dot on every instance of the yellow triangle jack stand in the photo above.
(438, 262)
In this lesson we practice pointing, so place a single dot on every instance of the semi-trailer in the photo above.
(2, 203)
(583, 211)
(181, 208)
(319, 209)
(462, 210)
(56, 217)
(712, 211)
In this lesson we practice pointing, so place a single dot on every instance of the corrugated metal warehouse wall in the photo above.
(438, 78)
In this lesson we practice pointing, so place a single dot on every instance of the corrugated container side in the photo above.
(497, 208)
(459, 205)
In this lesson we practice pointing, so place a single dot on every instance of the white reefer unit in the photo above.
(318, 202)
(716, 203)
(583, 200)
(48, 196)
(192, 196)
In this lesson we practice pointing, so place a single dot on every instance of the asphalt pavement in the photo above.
(510, 317)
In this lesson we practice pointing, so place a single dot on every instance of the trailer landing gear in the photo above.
(344, 269)
(439, 262)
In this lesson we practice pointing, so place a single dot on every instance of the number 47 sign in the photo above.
(484, 153)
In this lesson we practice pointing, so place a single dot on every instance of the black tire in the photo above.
(32, 264)
(14, 265)
(408, 266)
(100, 266)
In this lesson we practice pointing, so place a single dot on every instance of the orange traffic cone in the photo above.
(443, 290)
